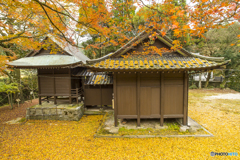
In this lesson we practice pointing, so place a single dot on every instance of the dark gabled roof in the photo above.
(113, 61)
(72, 57)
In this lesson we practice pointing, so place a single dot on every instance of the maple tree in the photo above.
(111, 22)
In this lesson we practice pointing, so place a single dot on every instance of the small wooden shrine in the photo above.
(152, 86)
(56, 81)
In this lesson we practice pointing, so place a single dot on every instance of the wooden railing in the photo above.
(75, 93)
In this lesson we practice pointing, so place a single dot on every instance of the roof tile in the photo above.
(157, 63)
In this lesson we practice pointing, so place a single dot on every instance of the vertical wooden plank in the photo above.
(84, 93)
(40, 100)
(54, 87)
(162, 100)
(70, 87)
(101, 94)
(185, 98)
(187, 95)
(138, 98)
(39, 88)
(115, 98)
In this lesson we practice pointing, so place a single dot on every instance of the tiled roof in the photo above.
(159, 63)
(80, 71)
(99, 78)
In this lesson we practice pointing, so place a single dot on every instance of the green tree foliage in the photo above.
(221, 42)
(235, 81)
(9, 89)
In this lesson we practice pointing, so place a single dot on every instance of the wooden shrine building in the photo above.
(152, 86)
(56, 80)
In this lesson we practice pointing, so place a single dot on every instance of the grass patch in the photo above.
(173, 126)
(173, 129)
(22, 120)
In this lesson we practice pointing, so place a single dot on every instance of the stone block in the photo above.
(114, 130)
(53, 113)
(183, 128)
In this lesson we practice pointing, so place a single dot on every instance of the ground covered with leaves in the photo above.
(7, 114)
(75, 140)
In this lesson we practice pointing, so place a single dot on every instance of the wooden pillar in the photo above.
(82, 88)
(101, 94)
(70, 87)
(138, 99)
(40, 100)
(162, 100)
(55, 99)
(54, 88)
(84, 94)
(115, 99)
(39, 89)
(77, 95)
(185, 99)
(200, 81)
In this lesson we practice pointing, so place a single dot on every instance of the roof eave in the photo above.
(80, 63)
(159, 69)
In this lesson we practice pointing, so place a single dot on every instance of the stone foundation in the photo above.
(61, 112)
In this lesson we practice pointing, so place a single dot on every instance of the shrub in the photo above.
(193, 87)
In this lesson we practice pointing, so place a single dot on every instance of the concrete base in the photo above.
(192, 126)
(110, 131)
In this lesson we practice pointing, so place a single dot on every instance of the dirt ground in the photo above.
(7, 114)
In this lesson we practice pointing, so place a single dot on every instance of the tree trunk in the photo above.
(33, 95)
(208, 78)
(200, 81)
(223, 84)
(10, 100)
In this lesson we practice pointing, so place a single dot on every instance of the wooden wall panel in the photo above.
(159, 95)
(145, 101)
(155, 101)
(92, 96)
(107, 96)
(126, 79)
(61, 71)
(47, 85)
(126, 94)
(62, 83)
(173, 75)
(45, 71)
(173, 99)
(150, 82)
(173, 81)
(126, 102)
(150, 95)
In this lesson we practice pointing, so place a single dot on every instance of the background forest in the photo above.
(99, 27)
